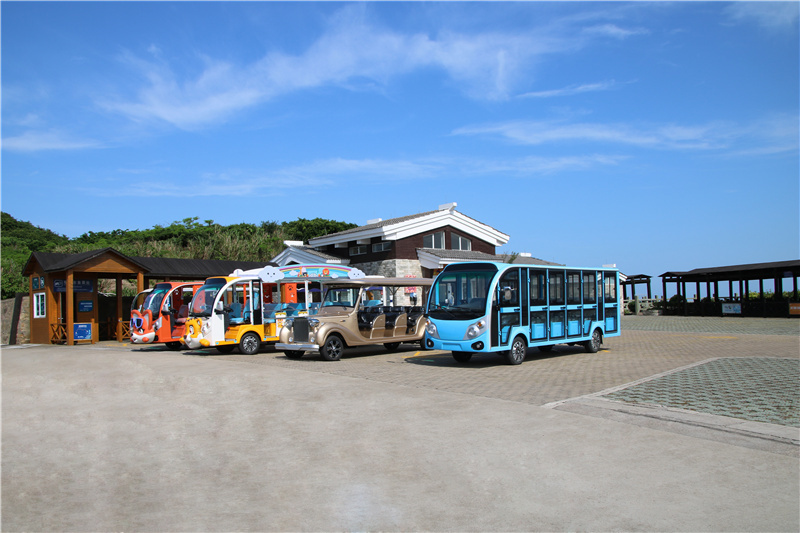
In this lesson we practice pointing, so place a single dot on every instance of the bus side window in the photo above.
(509, 288)
(538, 289)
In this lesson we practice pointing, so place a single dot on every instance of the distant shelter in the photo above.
(742, 281)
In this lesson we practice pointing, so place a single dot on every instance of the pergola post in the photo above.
(119, 308)
(70, 308)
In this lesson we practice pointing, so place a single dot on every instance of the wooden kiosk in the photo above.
(64, 298)
(65, 308)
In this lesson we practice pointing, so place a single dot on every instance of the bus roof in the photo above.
(381, 282)
(504, 266)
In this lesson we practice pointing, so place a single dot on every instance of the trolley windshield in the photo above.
(203, 301)
(460, 292)
(154, 299)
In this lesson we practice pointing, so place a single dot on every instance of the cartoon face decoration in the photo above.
(270, 274)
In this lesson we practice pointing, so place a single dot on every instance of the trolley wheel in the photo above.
(391, 346)
(249, 343)
(332, 349)
(593, 345)
(226, 348)
(293, 354)
(462, 357)
(174, 345)
(516, 354)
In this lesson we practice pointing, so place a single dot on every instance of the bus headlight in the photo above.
(431, 330)
(476, 330)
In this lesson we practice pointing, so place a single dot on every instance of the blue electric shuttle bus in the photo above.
(505, 308)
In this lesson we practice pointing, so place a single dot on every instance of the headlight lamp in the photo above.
(431, 329)
(475, 330)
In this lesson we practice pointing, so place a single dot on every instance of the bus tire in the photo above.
(516, 354)
(294, 354)
(226, 348)
(462, 357)
(391, 346)
(249, 344)
(332, 349)
(593, 345)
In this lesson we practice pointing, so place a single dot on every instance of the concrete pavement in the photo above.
(110, 437)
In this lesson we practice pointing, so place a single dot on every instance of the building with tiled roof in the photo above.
(412, 245)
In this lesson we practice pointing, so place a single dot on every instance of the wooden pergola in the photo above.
(739, 277)
(632, 281)
(64, 288)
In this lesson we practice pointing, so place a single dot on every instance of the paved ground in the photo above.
(115, 437)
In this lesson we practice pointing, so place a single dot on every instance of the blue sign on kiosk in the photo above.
(82, 331)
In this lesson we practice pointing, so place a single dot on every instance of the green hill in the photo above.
(188, 239)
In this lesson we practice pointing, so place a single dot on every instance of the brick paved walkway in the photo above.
(566, 372)
(748, 388)
(740, 325)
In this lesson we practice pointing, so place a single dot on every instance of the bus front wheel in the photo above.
(516, 354)
(462, 357)
(593, 345)
(332, 349)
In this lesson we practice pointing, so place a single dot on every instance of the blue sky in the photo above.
(657, 136)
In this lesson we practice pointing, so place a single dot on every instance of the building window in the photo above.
(460, 243)
(39, 308)
(361, 249)
(382, 246)
(435, 240)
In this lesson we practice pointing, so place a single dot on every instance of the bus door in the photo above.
(507, 313)
(558, 307)
(611, 303)
(218, 321)
(600, 299)
(589, 300)
(574, 306)
(538, 304)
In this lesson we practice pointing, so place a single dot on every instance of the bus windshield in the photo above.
(460, 294)
(341, 297)
(155, 298)
(203, 300)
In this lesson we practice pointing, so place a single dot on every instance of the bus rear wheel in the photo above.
(516, 354)
(593, 345)
(462, 357)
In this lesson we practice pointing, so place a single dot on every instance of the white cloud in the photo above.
(768, 15)
(328, 174)
(778, 133)
(488, 65)
(571, 90)
(35, 141)
(612, 30)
